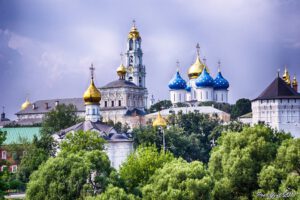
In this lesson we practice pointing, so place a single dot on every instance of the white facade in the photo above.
(92, 113)
(205, 94)
(221, 96)
(281, 114)
(177, 96)
(118, 151)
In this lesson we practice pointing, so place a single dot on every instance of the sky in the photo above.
(46, 47)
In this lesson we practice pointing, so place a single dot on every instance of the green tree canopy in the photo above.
(164, 104)
(113, 193)
(187, 135)
(282, 175)
(140, 165)
(241, 107)
(238, 159)
(179, 180)
(84, 170)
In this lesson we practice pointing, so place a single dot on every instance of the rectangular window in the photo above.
(112, 103)
(4, 155)
(206, 95)
(14, 168)
(119, 102)
(105, 104)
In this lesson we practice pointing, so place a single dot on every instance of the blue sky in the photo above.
(46, 47)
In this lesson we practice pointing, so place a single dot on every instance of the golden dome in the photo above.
(134, 33)
(295, 82)
(286, 76)
(121, 70)
(92, 95)
(25, 104)
(196, 69)
(159, 121)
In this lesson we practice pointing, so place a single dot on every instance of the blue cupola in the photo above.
(220, 82)
(177, 83)
(204, 80)
(188, 88)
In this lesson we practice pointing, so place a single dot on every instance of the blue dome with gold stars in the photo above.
(204, 80)
(220, 82)
(177, 83)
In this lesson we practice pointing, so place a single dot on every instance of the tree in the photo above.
(141, 165)
(80, 169)
(187, 136)
(238, 159)
(113, 193)
(179, 180)
(160, 106)
(3, 184)
(283, 175)
(241, 107)
(63, 116)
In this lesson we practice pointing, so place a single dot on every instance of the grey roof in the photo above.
(40, 106)
(278, 89)
(30, 121)
(120, 83)
(135, 111)
(107, 132)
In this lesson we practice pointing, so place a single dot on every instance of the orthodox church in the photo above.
(123, 100)
(118, 146)
(279, 105)
(201, 86)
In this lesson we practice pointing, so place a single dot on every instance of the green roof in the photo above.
(14, 134)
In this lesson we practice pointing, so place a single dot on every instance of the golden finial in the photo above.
(92, 95)
(121, 70)
(159, 121)
(286, 76)
(133, 34)
(295, 82)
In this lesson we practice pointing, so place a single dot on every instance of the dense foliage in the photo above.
(141, 165)
(241, 107)
(79, 169)
(160, 106)
(238, 159)
(43, 146)
(179, 180)
(187, 136)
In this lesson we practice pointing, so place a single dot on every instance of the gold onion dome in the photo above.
(295, 82)
(92, 95)
(134, 33)
(25, 104)
(121, 70)
(196, 69)
(286, 76)
(159, 121)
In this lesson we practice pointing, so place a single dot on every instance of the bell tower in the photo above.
(136, 71)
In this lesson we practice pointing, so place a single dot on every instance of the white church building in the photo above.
(279, 105)
(201, 87)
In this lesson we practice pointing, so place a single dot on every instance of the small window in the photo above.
(14, 168)
(3, 167)
(130, 78)
(105, 104)
(112, 103)
(4, 155)
(120, 102)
